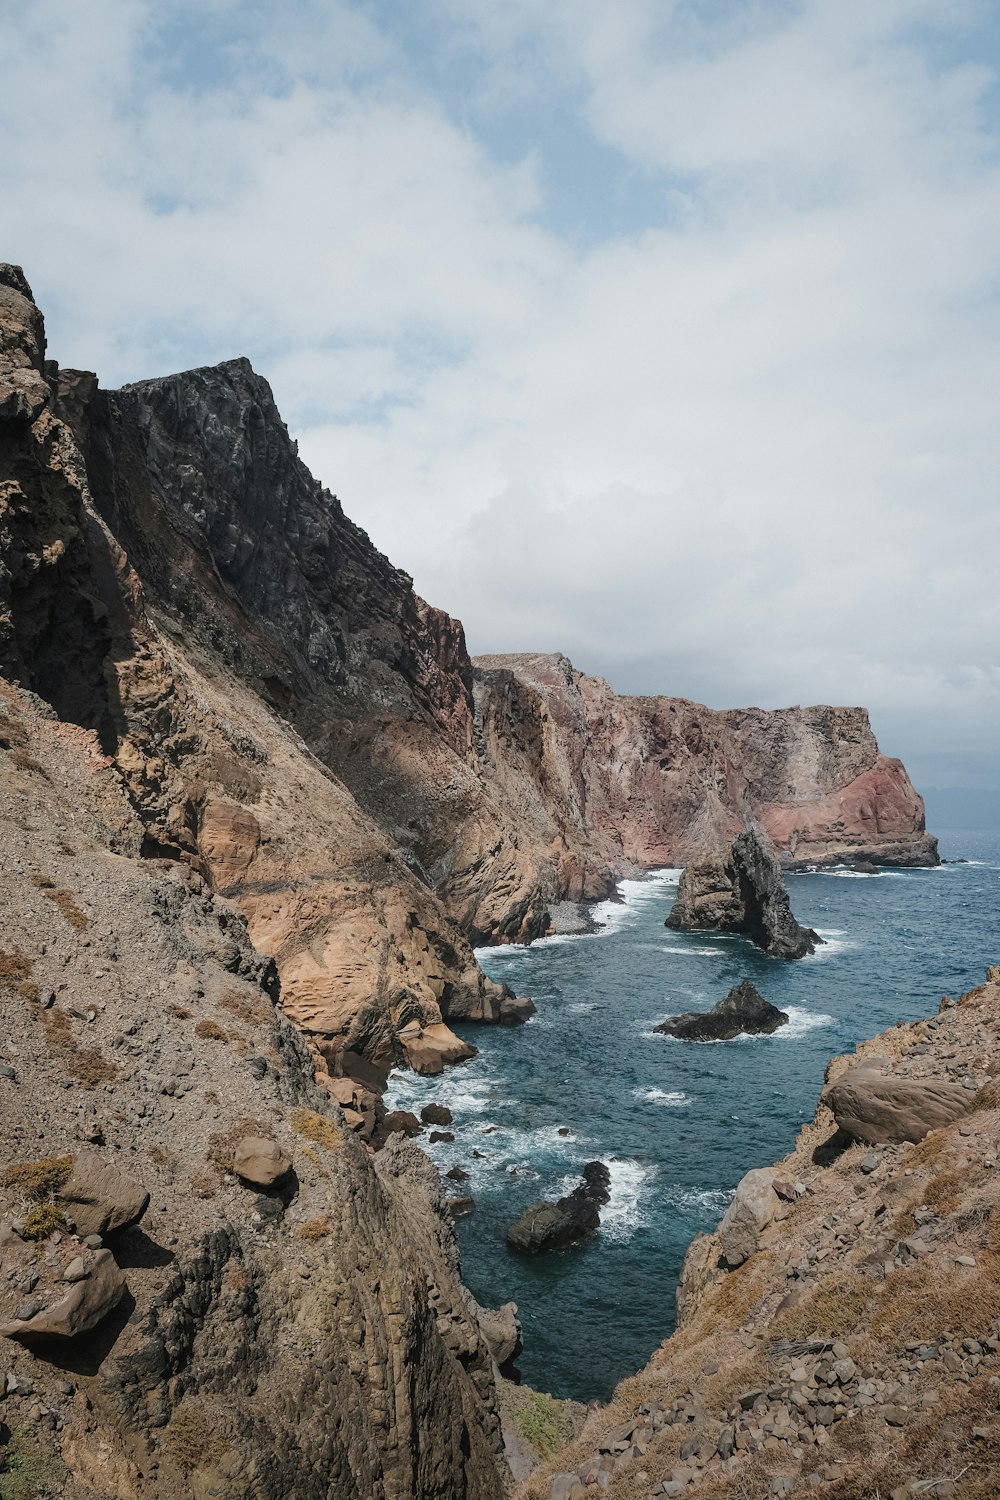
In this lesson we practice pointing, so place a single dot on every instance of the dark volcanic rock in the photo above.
(742, 890)
(548, 1226)
(744, 1012)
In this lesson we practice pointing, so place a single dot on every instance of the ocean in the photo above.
(678, 1123)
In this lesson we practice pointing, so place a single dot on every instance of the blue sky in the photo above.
(664, 334)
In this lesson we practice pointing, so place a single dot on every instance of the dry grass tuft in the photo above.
(988, 1096)
(317, 1128)
(244, 1009)
(211, 1031)
(179, 1012)
(43, 1221)
(929, 1149)
(65, 902)
(929, 1301)
(191, 1439)
(13, 735)
(315, 1229)
(732, 1300)
(90, 1067)
(223, 1143)
(831, 1312)
(38, 1180)
(25, 762)
(15, 974)
(945, 1193)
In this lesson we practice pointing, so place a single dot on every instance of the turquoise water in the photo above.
(678, 1123)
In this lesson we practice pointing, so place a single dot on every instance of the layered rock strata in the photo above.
(744, 1012)
(742, 890)
(839, 1334)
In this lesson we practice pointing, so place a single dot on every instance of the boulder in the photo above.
(742, 890)
(502, 1332)
(872, 1105)
(746, 1218)
(428, 1048)
(88, 1301)
(436, 1114)
(401, 1122)
(99, 1197)
(458, 1206)
(744, 1012)
(548, 1226)
(261, 1161)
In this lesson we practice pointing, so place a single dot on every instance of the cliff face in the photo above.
(292, 720)
(660, 781)
(839, 1334)
(268, 1342)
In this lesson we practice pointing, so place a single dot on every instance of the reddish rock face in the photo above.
(660, 781)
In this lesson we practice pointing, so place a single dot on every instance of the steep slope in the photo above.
(370, 961)
(839, 1335)
(270, 1342)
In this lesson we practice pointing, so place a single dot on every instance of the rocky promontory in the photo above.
(744, 1012)
(838, 1336)
(742, 890)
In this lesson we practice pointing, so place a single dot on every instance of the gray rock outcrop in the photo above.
(550, 1226)
(744, 1012)
(742, 890)
(746, 1218)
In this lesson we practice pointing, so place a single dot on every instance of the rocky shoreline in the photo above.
(839, 1334)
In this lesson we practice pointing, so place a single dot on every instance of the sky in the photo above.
(662, 333)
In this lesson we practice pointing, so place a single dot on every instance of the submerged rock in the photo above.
(548, 1226)
(744, 1012)
(742, 890)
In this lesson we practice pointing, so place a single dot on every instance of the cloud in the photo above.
(743, 449)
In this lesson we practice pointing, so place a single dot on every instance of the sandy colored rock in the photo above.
(875, 1106)
(749, 1214)
(100, 1197)
(260, 1160)
(82, 1308)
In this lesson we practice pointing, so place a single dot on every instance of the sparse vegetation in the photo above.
(223, 1143)
(245, 1010)
(180, 1012)
(827, 1314)
(191, 1438)
(15, 974)
(210, 1031)
(66, 904)
(315, 1229)
(43, 1221)
(27, 1468)
(90, 1067)
(12, 734)
(25, 762)
(38, 1180)
(317, 1128)
(543, 1423)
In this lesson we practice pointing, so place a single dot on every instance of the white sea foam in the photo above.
(633, 895)
(625, 1212)
(580, 1007)
(673, 1098)
(799, 1022)
(676, 950)
(702, 1200)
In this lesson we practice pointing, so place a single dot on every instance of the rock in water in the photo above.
(548, 1226)
(744, 1012)
(742, 891)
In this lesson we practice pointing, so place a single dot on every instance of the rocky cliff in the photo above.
(839, 1335)
(638, 781)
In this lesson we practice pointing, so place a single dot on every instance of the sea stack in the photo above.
(744, 1012)
(742, 890)
(550, 1226)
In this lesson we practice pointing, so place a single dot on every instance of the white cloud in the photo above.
(747, 451)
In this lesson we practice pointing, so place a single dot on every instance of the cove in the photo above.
(678, 1123)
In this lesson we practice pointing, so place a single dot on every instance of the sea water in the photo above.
(678, 1123)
